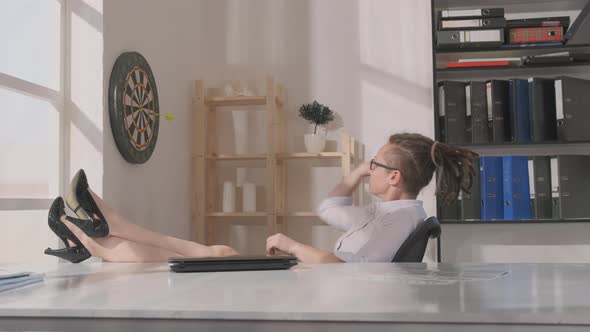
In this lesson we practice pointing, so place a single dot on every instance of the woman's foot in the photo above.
(90, 218)
(222, 251)
(76, 253)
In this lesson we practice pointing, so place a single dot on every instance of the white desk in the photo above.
(336, 297)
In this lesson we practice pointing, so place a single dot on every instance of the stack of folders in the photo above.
(514, 111)
(525, 188)
(13, 279)
(472, 28)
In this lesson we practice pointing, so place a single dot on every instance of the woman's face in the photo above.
(379, 176)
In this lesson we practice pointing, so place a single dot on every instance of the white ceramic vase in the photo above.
(315, 143)
(240, 122)
(229, 197)
(249, 197)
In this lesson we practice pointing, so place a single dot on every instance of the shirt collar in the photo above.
(390, 206)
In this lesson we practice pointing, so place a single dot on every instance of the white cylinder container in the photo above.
(229, 197)
(249, 197)
(240, 122)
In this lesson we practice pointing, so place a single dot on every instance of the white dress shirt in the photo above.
(375, 232)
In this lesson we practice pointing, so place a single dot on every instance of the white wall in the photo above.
(187, 40)
(369, 60)
(343, 53)
(84, 128)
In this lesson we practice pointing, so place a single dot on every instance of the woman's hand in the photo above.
(362, 170)
(279, 244)
(350, 182)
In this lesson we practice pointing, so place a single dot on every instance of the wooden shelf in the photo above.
(514, 222)
(206, 175)
(307, 155)
(237, 214)
(236, 101)
(253, 156)
(298, 214)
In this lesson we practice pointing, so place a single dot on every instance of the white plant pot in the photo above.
(315, 143)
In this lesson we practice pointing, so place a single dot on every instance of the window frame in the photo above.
(57, 99)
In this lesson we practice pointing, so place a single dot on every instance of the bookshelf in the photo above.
(207, 103)
(514, 9)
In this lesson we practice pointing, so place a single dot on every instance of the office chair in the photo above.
(413, 248)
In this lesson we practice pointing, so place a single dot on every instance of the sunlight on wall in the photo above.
(237, 38)
(86, 70)
(94, 4)
(391, 42)
(85, 105)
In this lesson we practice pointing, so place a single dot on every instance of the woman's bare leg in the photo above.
(122, 228)
(115, 249)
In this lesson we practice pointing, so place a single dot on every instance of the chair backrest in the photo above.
(413, 248)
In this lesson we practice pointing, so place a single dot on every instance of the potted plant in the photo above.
(318, 115)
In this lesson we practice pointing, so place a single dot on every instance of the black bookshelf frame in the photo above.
(501, 51)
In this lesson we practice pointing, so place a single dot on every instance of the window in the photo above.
(31, 126)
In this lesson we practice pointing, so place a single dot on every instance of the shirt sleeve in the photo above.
(384, 242)
(339, 212)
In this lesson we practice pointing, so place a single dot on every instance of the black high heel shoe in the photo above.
(73, 254)
(81, 202)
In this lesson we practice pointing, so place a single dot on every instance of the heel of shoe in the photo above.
(74, 254)
(71, 254)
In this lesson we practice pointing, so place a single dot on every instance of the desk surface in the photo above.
(443, 293)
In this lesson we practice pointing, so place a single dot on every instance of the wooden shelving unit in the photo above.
(236, 156)
(237, 214)
(204, 160)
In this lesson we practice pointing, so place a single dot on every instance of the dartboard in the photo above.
(133, 107)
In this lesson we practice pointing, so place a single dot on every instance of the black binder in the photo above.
(543, 124)
(452, 112)
(453, 14)
(232, 263)
(478, 107)
(574, 186)
(518, 108)
(471, 203)
(456, 39)
(572, 100)
(542, 187)
(498, 115)
(449, 211)
(473, 23)
(555, 203)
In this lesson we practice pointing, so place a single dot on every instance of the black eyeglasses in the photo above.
(374, 165)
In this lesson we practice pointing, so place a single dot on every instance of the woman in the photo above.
(374, 233)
